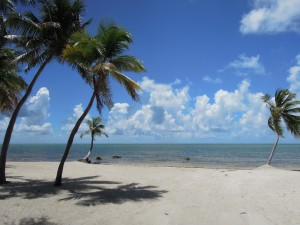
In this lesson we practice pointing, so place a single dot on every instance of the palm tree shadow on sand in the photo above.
(31, 221)
(87, 191)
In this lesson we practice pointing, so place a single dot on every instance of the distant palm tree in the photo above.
(102, 56)
(11, 84)
(43, 39)
(285, 109)
(95, 129)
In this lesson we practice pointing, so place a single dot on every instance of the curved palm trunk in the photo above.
(86, 158)
(273, 150)
(12, 122)
(70, 141)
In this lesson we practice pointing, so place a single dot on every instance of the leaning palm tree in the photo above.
(102, 56)
(43, 39)
(95, 128)
(283, 109)
(11, 84)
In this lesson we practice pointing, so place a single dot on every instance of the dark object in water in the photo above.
(98, 158)
(187, 159)
(117, 157)
(85, 160)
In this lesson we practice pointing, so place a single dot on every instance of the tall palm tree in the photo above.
(102, 56)
(11, 84)
(43, 39)
(283, 109)
(95, 129)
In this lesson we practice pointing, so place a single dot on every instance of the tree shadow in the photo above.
(118, 195)
(33, 221)
(87, 191)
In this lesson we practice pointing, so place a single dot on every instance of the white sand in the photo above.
(137, 195)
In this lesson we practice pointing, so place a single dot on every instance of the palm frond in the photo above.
(38, 60)
(280, 96)
(131, 86)
(17, 22)
(292, 123)
(103, 92)
(128, 64)
(115, 40)
(11, 84)
(6, 6)
(84, 133)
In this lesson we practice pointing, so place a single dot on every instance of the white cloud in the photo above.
(34, 114)
(32, 125)
(35, 111)
(4, 120)
(212, 80)
(294, 76)
(70, 123)
(169, 114)
(163, 95)
(245, 65)
(272, 16)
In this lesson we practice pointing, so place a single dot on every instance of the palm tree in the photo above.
(285, 109)
(95, 129)
(43, 39)
(102, 56)
(11, 84)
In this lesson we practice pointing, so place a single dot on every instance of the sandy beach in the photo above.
(140, 195)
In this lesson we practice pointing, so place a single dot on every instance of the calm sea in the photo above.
(201, 155)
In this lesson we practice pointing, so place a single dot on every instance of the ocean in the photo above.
(200, 155)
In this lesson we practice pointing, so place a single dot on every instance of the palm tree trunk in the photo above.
(86, 158)
(273, 150)
(70, 141)
(12, 122)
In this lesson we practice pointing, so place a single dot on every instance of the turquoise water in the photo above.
(201, 155)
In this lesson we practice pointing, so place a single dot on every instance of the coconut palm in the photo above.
(11, 84)
(103, 56)
(95, 129)
(283, 109)
(43, 37)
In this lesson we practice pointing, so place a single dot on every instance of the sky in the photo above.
(208, 64)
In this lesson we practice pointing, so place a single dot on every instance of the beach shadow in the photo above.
(86, 190)
(33, 221)
(30, 188)
(117, 195)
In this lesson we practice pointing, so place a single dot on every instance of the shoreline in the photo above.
(232, 156)
(139, 195)
(172, 165)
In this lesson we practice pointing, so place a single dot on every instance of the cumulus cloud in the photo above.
(170, 114)
(294, 76)
(164, 96)
(70, 122)
(245, 65)
(272, 16)
(34, 114)
(209, 79)
(32, 122)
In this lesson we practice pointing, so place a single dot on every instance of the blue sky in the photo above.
(208, 62)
